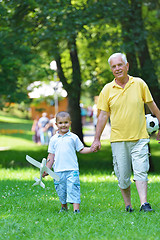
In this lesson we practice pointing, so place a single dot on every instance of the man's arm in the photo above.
(155, 111)
(101, 122)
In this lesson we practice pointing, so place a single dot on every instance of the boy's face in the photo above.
(63, 124)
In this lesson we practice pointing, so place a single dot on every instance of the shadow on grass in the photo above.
(17, 159)
(100, 161)
(22, 126)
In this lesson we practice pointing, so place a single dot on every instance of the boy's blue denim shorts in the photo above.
(68, 187)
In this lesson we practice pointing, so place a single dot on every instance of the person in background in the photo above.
(51, 127)
(83, 114)
(90, 113)
(41, 124)
(95, 115)
(35, 129)
(123, 100)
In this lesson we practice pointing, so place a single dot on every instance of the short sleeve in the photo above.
(147, 97)
(103, 101)
(79, 144)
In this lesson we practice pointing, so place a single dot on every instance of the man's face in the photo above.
(119, 68)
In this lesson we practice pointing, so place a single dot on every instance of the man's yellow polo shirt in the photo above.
(126, 107)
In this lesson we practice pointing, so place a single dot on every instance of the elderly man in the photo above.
(123, 101)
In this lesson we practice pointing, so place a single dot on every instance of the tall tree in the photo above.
(134, 35)
(17, 57)
(146, 63)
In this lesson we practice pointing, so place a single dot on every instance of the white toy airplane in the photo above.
(43, 168)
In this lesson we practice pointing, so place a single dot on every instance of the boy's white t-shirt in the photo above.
(64, 147)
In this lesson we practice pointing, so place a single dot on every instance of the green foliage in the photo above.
(80, 36)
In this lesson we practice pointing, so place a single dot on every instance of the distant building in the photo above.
(36, 110)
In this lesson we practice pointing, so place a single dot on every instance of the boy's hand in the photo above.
(44, 174)
(96, 145)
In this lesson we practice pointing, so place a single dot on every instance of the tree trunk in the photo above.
(73, 89)
(75, 112)
(146, 64)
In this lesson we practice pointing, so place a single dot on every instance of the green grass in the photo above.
(28, 212)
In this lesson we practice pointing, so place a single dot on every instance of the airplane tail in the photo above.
(38, 182)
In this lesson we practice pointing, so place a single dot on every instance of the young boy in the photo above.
(62, 155)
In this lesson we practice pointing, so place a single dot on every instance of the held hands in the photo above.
(44, 174)
(96, 145)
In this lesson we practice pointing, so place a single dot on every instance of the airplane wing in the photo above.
(51, 173)
(33, 161)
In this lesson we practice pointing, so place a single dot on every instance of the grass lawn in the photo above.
(28, 212)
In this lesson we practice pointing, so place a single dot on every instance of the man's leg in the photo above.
(122, 169)
(126, 193)
(142, 191)
(140, 160)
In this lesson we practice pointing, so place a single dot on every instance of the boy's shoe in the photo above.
(77, 211)
(63, 209)
(129, 209)
(146, 207)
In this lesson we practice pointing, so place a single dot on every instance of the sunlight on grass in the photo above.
(12, 119)
(13, 142)
(154, 178)
(30, 173)
(20, 174)
(98, 178)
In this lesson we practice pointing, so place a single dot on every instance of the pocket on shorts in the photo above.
(141, 157)
(56, 183)
(76, 178)
(115, 166)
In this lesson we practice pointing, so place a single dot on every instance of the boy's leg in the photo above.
(64, 205)
(73, 189)
(61, 190)
(76, 206)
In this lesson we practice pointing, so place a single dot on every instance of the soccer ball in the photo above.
(152, 123)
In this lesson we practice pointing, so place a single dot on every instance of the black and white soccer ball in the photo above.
(152, 123)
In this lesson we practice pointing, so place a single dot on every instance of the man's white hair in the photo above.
(123, 56)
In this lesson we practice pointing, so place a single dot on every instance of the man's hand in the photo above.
(96, 145)
(158, 135)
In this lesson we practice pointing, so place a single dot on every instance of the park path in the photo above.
(89, 134)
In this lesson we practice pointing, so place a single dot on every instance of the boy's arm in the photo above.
(50, 161)
(85, 150)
